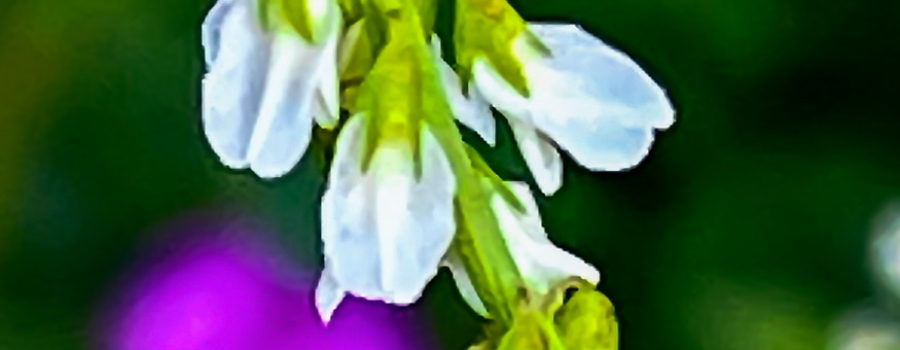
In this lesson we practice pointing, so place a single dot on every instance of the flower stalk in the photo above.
(477, 238)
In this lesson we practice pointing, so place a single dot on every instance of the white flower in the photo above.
(585, 97)
(385, 226)
(266, 84)
(541, 263)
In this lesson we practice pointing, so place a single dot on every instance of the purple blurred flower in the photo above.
(217, 288)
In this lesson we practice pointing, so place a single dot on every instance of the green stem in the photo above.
(479, 241)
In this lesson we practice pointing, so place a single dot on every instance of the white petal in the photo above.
(391, 180)
(473, 112)
(416, 223)
(237, 52)
(329, 295)
(436, 48)
(345, 220)
(593, 100)
(464, 283)
(328, 93)
(496, 90)
(320, 111)
(385, 231)
(541, 157)
(283, 129)
(211, 29)
(327, 96)
(541, 263)
(431, 210)
(477, 115)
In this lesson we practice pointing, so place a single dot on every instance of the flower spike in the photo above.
(405, 194)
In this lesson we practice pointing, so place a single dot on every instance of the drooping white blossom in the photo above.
(586, 97)
(266, 84)
(540, 262)
(385, 225)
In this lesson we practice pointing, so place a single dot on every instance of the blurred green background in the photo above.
(746, 228)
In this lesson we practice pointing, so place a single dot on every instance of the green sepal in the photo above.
(264, 10)
(353, 10)
(393, 92)
(488, 29)
(297, 13)
(360, 60)
(427, 14)
(387, 97)
(298, 17)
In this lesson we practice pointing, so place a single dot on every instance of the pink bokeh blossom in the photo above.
(212, 287)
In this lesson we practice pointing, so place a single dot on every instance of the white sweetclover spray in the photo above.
(405, 193)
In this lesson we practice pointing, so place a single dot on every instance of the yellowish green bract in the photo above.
(297, 13)
(294, 12)
(488, 29)
(588, 321)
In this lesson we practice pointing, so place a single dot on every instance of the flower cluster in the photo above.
(405, 193)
